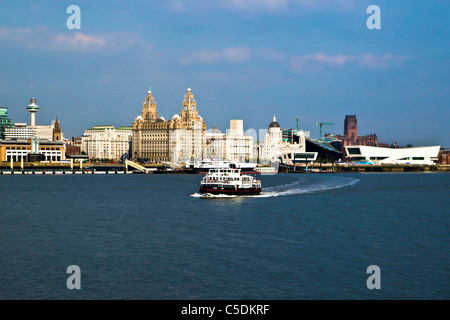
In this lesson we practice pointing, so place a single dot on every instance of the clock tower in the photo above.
(149, 107)
(189, 108)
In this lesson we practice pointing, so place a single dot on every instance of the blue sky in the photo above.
(244, 59)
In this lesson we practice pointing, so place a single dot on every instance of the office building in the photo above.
(156, 139)
(107, 142)
(5, 122)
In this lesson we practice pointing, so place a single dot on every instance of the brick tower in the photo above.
(351, 128)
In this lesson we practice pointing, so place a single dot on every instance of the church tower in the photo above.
(351, 128)
(57, 135)
(149, 107)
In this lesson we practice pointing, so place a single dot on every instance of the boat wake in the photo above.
(295, 188)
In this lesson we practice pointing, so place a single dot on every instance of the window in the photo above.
(354, 151)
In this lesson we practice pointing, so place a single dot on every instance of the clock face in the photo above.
(185, 108)
(192, 108)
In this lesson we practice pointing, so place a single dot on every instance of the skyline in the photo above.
(243, 60)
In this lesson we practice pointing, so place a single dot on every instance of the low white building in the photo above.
(418, 155)
(106, 142)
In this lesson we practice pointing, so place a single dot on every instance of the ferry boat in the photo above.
(205, 165)
(266, 170)
(229, 181)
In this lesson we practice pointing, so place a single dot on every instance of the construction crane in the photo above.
(321, 124)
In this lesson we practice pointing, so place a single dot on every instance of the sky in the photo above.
(243, 59)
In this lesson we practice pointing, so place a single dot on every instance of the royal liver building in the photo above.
(178, 140)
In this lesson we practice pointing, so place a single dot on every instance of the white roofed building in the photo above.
(418, 155)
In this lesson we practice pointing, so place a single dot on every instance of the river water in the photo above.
(307, 236)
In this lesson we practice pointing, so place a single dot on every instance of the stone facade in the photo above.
(273, 146)
(106, 142)
(232, 146)
(177, 140)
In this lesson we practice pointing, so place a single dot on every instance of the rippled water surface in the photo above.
(307, 236)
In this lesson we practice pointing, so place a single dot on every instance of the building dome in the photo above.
(274, 123)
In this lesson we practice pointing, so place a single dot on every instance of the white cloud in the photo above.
(269, 54)
(237, 55)
(322, 4)
(373, 61)
(177, 5)
(227, 55)
(233, 55)
(47, 39)
(252, 5)
(299, 64)
(274, 6)
(262, 6)
(314, 62)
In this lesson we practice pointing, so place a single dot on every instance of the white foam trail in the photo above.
(209, 195)
(294, 188)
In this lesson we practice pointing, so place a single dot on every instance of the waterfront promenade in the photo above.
(119, 168)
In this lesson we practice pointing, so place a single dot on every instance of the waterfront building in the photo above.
(106, 142)
(238, 146)
(327, 151)
(294, 158)
(444, 156)
(73, 146)
(156, 139)
(274, 146)
(214, 145)
(232, 146)
(19, 149)
(5, 122)
(24, 131)
(290, 135)
(417, 155)
(19, 131)
(73, 150)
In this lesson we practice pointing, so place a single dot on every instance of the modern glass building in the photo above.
(5, 122)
